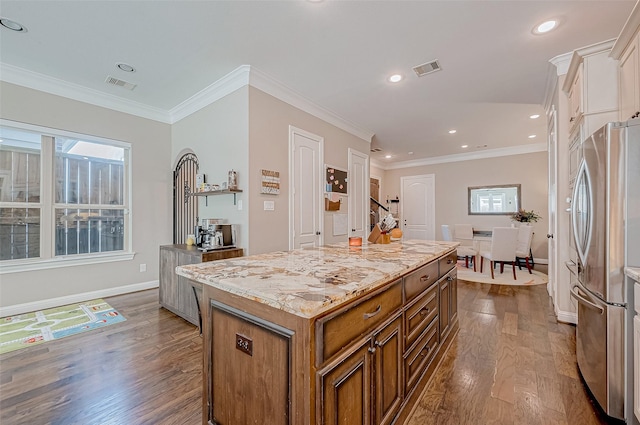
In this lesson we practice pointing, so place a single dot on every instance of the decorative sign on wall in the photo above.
(270, 182)
(335, 180)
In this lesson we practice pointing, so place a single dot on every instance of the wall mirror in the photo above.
(494, 200)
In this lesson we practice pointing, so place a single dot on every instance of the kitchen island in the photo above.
(328, 335)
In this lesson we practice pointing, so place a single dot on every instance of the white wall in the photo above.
(269, 120)
(218, 135)
(151, 205)
(452, 180)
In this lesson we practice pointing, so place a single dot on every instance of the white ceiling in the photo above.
(337, 54)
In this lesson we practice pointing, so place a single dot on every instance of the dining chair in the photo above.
(446, 233)
(466, 248)
(503, 249)
(463, 233)
(523, 247)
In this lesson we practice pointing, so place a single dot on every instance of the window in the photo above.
(62, 196)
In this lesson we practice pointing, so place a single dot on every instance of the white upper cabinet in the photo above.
(627, 51)
(591, 86)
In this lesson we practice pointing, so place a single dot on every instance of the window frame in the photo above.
(47, 205)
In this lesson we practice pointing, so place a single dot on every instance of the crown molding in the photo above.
(561, 63)
(33, 80)
(626, 35)
(231, 82)
(238, 78)
(270, 85)
(489, 153)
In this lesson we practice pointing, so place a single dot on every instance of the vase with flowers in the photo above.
(524, 216)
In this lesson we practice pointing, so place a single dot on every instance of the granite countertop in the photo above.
(633, 273)
(307, 282)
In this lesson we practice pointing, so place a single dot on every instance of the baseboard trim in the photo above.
(567, 317)
(16, 309)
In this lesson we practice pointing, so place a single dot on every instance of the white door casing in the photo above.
(358, 193)
(417, 207)
(306, 151)
(552, 148)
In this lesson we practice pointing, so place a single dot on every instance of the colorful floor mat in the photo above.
(29, 329)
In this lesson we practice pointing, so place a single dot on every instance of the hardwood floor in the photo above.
(146, 370)
(511, 363)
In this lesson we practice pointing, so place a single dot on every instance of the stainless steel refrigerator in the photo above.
(605, 219)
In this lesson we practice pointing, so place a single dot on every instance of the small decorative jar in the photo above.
(233, 180)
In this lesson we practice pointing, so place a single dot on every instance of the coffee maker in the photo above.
(215, 236)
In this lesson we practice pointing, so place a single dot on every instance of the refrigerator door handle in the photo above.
(582, 238)
(581, 299)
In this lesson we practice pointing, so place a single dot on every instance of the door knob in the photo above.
(549, 236)
(318, 233)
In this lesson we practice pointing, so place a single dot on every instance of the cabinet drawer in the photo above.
(448, 262)
(416, 282)
(418, 316)
(417, 360)
(636, 291)
(338, 330)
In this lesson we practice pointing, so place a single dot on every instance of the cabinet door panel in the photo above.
(388, 372)
(250, 386)
(346, 389)
(445, 310)
(453, 284)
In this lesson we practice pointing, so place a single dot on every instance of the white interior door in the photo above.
(305, 190)
(358, 193)
(417, 205)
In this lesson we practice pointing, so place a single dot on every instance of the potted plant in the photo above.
(523, 216)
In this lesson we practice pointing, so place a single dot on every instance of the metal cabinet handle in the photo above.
(424, 311)
(373, 313)
(450, 278)
(449, 261)
(372, 350)
(424, 278)
(581, 299)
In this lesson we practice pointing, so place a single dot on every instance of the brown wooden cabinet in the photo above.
(346, 384)
(388, 382)
(362, 362)
(176, 292)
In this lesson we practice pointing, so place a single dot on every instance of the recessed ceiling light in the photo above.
(533, 136)
(395, 78)
(453, 131)
(408, 153)
(534, 116)
(464, 146)
(12, 25)
(545, 27)
(125, 67)
(387, 156)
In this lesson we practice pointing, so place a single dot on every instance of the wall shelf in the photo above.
(217, 192)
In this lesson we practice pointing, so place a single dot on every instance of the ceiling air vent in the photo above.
(376, 150)
(120, 83)
(427, 68)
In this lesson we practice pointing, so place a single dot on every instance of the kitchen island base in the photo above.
(363, 361)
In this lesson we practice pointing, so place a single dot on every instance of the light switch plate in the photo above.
(240, 205)
(269, 205)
